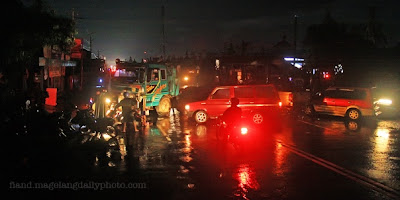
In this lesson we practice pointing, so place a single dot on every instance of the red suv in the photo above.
(258, 103)
(348, 102)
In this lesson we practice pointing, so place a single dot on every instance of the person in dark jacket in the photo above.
(233, 114)
(128, 110)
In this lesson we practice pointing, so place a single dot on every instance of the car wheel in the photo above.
(258, 118)
(353, 114)
(164, 107)
(201, 117)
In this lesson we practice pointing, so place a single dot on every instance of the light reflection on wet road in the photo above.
(180, 160)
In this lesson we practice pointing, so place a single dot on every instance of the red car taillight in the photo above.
(243, 130)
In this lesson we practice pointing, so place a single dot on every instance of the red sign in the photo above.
(76, 51)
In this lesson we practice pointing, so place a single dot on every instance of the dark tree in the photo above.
(29, 29)
(330, 42)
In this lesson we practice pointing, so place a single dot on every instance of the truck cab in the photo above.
(154, 85)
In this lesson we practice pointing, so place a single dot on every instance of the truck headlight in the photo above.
(187, 107)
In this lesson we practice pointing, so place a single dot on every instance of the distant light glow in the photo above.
(297, 62)
(292, 59)
(386, 102)
(100, 80)
(338, 69)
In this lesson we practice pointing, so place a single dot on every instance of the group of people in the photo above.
(130, 111)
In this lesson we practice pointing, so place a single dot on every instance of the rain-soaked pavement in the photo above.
(305, 158)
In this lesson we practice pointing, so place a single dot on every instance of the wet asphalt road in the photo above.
(307, 158)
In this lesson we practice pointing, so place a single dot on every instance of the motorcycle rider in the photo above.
(232, 115)
(128, 110)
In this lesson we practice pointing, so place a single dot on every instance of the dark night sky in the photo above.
(124, 28)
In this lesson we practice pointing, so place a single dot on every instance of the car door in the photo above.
(344, 99)
(328, 103)
(218, 101)
(245, 94)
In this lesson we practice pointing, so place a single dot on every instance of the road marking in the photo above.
(316, 125)
(379, 187)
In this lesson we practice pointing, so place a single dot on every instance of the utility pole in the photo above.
(90, 41)
(81, 86)
(163, 30)
(295, 32)
(295, 41)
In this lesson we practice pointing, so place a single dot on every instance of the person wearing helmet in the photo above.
(233, 114)
(128, 108)
(230, 117)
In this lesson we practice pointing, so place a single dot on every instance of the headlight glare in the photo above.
(384, 102)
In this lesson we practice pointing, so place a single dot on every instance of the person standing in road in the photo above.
(128, 111)
(100, 104)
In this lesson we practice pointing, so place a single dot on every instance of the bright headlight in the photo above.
(384, 102)
(187, 107)
(108, 100)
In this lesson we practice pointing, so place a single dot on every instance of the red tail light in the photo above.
(243, 130)
(325, 101)
(290, 98)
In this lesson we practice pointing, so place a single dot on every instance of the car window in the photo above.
(221, 94)
(244, 92)
(163, 74)
(195, 93)
(331, 94)
(265, 92)
(356, 94)
(346, 94)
